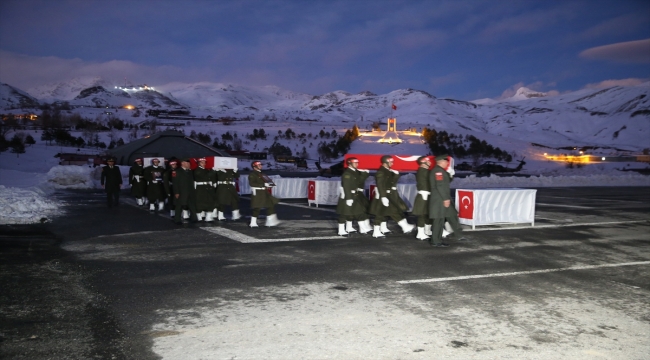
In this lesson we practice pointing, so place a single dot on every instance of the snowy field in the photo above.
(27, 180)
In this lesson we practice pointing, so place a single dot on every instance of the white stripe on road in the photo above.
(582, 267)
(237, 236)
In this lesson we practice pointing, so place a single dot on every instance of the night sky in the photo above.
(452, 49)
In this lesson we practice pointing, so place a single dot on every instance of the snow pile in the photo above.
(23, 206)
(71, 177)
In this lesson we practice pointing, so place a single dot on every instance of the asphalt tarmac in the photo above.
(124, 283)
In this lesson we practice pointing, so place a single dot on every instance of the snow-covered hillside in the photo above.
(616, 117)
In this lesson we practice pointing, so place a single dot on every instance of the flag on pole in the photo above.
(394, 107)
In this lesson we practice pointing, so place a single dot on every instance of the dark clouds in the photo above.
(462, 49)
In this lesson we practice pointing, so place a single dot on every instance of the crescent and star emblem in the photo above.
(469, 201)
(311, 187)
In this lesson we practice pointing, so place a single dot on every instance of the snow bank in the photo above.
(24, 206)
(71, 177)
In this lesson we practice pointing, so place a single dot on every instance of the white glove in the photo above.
(235, 169)
(425, 194)
(384, 201)
(349, 202)
(267, 185)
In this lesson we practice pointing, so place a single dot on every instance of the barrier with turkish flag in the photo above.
(495, 206)
(323, 191)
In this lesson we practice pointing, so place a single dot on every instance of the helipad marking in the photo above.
(582, 267)
(237, 236)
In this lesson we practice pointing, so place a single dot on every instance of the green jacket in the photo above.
(183, 186)
(260, 197)
(386, 182)
(421, 206)
(154, 177)
(439, 184)
(226, 191)
(137, 181)
(350, 191)
(204, 190)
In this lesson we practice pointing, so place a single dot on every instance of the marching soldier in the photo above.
(227, 193)
(184, 192)
(421, 204)
(155, 189)
(440, 207)
(111, 180)
(137, 182)
(260, 196)
(204, 192)
(168, 182)
(351, 205)
(387, 201)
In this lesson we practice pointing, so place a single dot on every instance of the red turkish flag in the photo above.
(466, 204)
(371, 193)
(237, 185)
(311, 190)
(394, 107)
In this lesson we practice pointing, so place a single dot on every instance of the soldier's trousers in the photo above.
(439, 224)
(360, 217)
(113, 198)
(424, 220)
(269, 211)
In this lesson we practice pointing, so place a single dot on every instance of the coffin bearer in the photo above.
(155, 189)
(386, 201)
(168, 182)
(261, 197)
(440, 207)
(204, 192)
(184, 192)
(227, 193)
(421, 204)
(137, 182)
(351, 205)
(111, 180)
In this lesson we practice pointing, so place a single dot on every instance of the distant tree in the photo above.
(119, 142)
(237, 144)
(17, 145)
(29, 140)
(111, 145)
(4, 144)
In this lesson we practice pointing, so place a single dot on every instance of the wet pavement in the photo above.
(124, 283)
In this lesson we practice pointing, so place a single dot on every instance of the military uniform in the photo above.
(204, 193)
(227, 193)
(352, 204)
(184, 193)
(155, 189)
(138, 183)
(261, 198)
(421, 203)
(168, 183)
(387, 202)
(439, 184)
(111, 179)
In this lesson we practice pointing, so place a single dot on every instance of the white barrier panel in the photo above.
(495, 206)
(323, 191)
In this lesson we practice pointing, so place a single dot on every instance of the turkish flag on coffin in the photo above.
(466, 204)
(400, 162)
(311, 190)
(209, 162)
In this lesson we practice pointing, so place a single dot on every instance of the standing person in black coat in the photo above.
(111, 180)
(184, 192)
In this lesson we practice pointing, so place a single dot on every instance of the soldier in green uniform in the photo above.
(204, 192)
(440, 207)
(215, 204)
(137, 182)
(351, 205)
(227, 193)
(386, 201)
(111, 180)
(421, 204)
(155, 189)
(168, 183)
(260, 196)
(184, 192)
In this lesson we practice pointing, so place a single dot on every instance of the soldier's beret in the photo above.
(442, 157)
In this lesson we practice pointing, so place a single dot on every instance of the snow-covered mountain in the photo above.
(616, 116)
(65, 91)
(12, 98)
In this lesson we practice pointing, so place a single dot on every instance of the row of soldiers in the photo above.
(201, 194)
(432, 204)
(204, 195)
